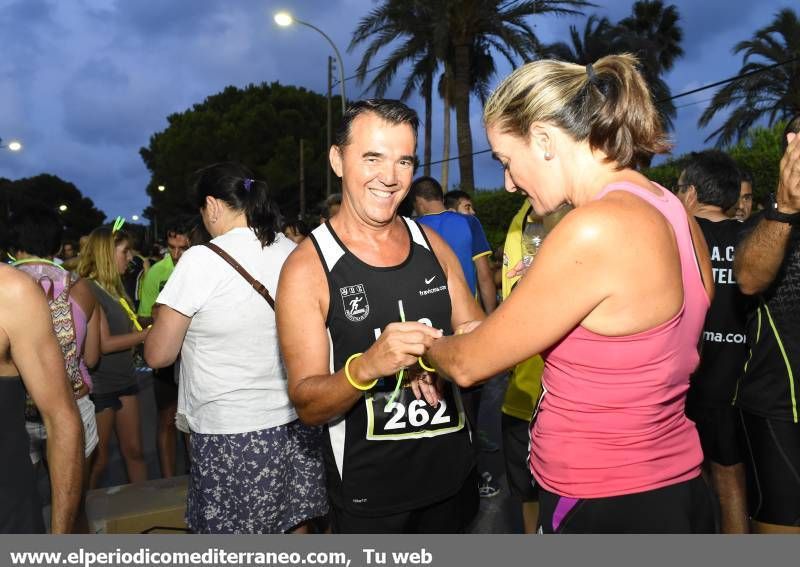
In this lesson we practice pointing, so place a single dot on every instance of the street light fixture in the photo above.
(134, 218)
(13, 145)
(63, 208)
(161, 188)
(285, 19)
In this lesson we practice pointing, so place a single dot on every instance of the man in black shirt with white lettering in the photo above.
(709, 186)
(768, 266)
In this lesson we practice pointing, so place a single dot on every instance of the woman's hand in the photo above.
(518, 270)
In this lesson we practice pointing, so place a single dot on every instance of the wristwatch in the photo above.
(772, 213)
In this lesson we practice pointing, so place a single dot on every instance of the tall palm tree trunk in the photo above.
(461, 93)
(427, 94)
(446, 145)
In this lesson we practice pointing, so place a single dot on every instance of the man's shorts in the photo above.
(516, 450)
(38, 433)
(449, 516)
(773, 465)
(111, 400)
(720, 429)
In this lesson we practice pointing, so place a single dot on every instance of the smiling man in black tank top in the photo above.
(26, 331)
(358, 302)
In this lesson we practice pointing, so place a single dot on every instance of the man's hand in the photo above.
(788, 194)
(424, 384)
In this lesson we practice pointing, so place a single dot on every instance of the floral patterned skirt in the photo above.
(266, 481)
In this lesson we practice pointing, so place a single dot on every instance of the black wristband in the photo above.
(772, 213)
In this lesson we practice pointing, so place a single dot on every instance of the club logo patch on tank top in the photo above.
(355, 302)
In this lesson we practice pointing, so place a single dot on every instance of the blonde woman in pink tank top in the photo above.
(615, 301)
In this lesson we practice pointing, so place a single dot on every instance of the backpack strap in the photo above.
(50, 291)
(257, 285)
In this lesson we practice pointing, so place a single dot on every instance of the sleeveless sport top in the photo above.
(20, 509)
(383, 459)
(611, 420)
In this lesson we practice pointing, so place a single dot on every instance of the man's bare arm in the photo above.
(759, 256)
(37, 356)
(486, 286)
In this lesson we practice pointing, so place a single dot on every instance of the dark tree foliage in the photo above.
(259, 126)
(80, 216)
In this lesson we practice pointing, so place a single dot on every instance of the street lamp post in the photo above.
(13, 146)
(286, 19)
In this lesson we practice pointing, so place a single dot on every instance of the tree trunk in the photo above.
(446, 144)
(427, 93)
(461, 92)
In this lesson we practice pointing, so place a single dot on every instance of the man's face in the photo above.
(744, 206)
(465, 207)
(376, 167)
(69, 252)
(177, 244)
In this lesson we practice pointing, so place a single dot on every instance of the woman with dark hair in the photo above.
(615, 301)
(255, 467)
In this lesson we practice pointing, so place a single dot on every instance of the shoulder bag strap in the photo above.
(257, 285)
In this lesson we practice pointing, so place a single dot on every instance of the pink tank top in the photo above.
(611, 419)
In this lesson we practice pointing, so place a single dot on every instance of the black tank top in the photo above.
(384, 459)
(20, 508)
(724, 335)
(770, 386)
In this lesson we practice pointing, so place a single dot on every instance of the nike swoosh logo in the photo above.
(427, 281)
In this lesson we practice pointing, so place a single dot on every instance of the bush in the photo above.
(496, 208)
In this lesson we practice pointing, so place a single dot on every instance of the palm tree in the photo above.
(483, 69)
(653, 33)
(418, 24)
(599, 38)
(766, 86)
(502, 26)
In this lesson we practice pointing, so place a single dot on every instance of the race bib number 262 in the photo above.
(409, 418)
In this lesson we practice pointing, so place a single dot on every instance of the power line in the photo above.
(673, 97)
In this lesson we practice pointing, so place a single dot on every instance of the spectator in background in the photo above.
(255, 468)
(708, 187)
(69, 250)
(459, 201)
(104, 259)
(295, 230)
(744, 205)
(30, 359)
(768, 266)
(331, 206)
(165, 386)
(134, 273)
(75, 317)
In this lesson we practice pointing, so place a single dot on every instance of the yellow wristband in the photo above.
(424, 367)
(353, 383)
